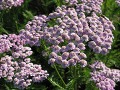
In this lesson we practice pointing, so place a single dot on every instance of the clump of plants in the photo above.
(65, 48)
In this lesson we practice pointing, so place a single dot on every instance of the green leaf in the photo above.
(55, 84)
(7, 87)
(70, 85)
(2, 30)
(28, 15)
(47, 3)
(91, 86)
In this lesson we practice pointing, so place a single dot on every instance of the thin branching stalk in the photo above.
(59, 75)
(58, 2)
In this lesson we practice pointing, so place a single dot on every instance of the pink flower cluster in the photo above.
(67, 30)
(33, 31)
(4, 4)
(103, 76)
(21, 72)
(17, 68)
(10, 42)
(101, 30)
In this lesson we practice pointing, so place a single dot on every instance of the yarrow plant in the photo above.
(4, 4)
(67, 34)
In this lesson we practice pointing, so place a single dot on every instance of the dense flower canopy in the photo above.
(71, 33)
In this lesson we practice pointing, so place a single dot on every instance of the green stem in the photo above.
(105, 7)
(7, 88)
(75, 76)
(16, 23)
(45, 6)
(71, 71)
(59, 75)
(58, 2)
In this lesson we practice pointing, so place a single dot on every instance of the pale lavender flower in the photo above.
(65, 63)
(65, 55)
(83, 63)
(70, 46)
(81, 46)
